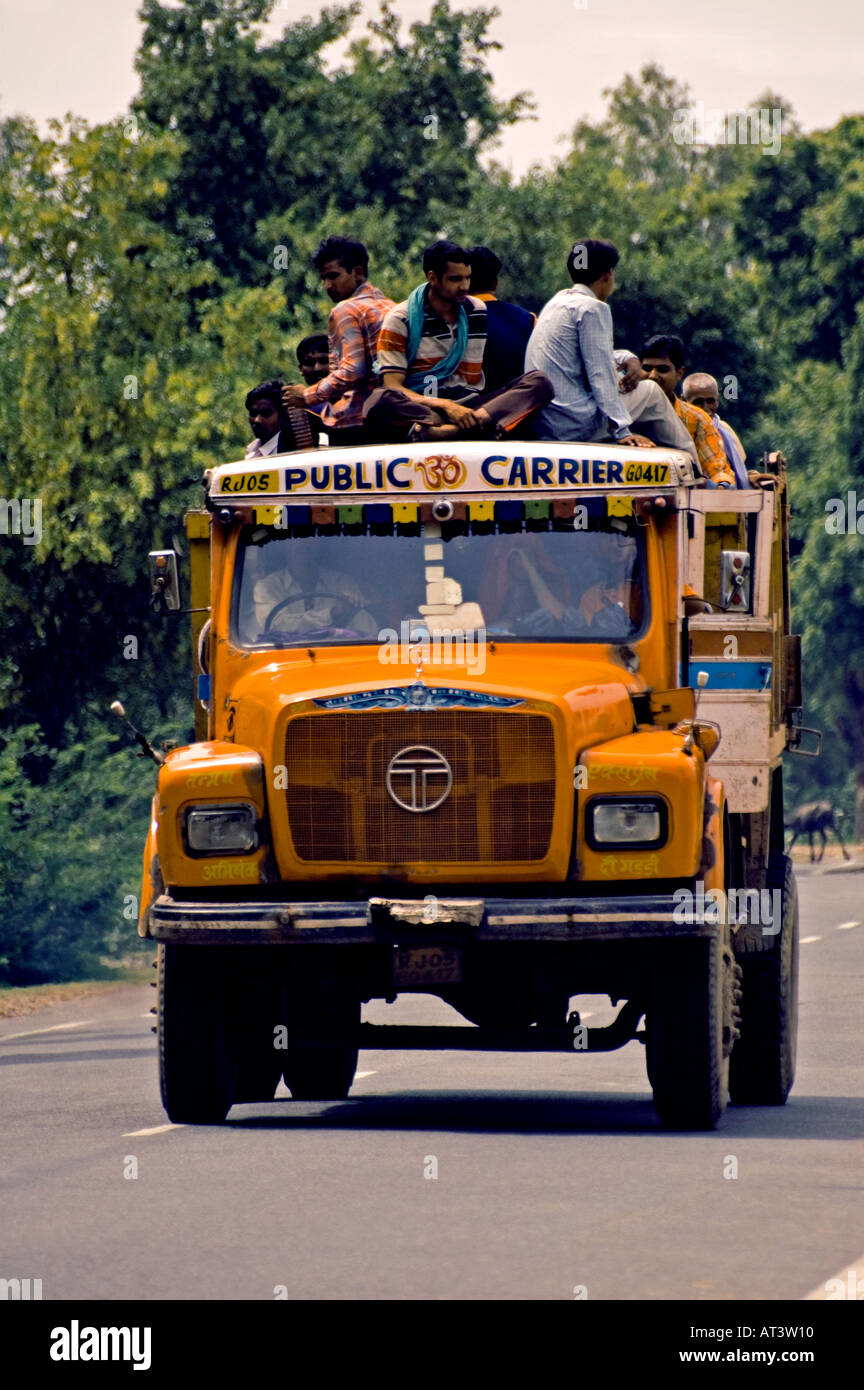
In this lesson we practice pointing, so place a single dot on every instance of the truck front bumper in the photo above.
(386, 920)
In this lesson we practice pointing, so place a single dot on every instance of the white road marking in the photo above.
(851, 1281)
(847, 926)
(157, 1129)
(806, 939)
(360, 1074)
(57, 1028)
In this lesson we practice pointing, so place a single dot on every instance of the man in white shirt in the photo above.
(572, 346)
(278, 429)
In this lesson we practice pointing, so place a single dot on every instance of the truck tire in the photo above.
(259, 1065)
(762, 1067)
(197, 1055)
(689, 1033)
(319, 1064)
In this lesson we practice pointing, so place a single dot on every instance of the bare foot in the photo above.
(441, 432)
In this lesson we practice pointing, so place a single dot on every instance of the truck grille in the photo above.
(499, 808)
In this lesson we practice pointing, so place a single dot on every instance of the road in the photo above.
(552, 1171)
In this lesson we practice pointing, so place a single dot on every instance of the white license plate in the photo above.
(427, 965)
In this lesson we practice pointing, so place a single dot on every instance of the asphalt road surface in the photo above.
(552, 1170)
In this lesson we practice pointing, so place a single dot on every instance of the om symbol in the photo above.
(441, 471)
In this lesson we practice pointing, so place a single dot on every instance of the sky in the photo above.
(77, 55)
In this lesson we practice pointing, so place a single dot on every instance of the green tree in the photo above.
(802, 220)
(817, 413)
(270, 131)
(671, 210)
(70, 851)
(126, 360)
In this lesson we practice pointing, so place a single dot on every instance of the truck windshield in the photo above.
(552, 584)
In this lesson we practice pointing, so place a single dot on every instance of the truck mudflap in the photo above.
(607, 918)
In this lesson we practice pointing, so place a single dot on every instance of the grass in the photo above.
(17, 1001)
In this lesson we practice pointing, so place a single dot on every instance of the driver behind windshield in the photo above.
(331, 600)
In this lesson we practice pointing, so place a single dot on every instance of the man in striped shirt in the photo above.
(430, 361)
(352, 336)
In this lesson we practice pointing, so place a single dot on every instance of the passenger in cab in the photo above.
(278, 429)
(430, 362)
(701, 390)
(663, 362)
(524, 590)
(508, 327)
(352, 336)
(572, 345)
(611, 605)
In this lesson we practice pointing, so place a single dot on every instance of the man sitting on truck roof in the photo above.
(663, 362)
(572, 344)
(278, 429)
(701, 390)
(313, 359)
(508, 327)
(430, 361)
(352, 335)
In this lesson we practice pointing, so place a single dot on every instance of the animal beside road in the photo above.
(815, 819)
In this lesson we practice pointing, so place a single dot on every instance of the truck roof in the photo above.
(418, 472)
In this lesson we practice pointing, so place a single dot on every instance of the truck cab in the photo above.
(502, 725)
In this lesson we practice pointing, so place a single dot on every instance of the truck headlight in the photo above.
(638, 822)
(221, 829)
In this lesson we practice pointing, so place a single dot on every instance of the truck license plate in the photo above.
(427, 965)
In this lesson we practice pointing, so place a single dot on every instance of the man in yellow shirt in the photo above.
(663, 362)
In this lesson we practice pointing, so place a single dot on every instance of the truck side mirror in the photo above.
(164, 582)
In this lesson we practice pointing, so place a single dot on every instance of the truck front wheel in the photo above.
(197, 1055)
(689, 1034)
(322, 1047)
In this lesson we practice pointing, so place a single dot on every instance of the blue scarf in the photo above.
(447, 366)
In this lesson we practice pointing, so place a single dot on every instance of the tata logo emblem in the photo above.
(419, 778)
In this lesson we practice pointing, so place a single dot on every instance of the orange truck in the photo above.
(504, 726)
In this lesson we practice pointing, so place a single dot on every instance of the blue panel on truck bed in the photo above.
(732, 675)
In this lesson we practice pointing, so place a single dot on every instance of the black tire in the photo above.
(762, 1067)
(689, 1033)
(259, 1067)
(322, 1057)
(197, 1054)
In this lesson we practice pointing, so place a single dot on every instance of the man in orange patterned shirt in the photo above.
(663, 362)
(352, 336)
